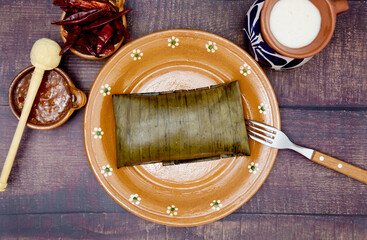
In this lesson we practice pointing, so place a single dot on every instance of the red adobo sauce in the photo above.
(53, 99)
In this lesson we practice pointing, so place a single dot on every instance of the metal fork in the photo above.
(275, 138)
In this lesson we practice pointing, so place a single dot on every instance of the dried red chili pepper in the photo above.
(81, 18)
(83, 42)
(71, 38)
(108, 48)
(95, 31)
(107, 19)
(69, 11)
(126, 33)
(93, 38)
(121, 30)
(61, 3)
(75, 18)
(89, 28)
(104, 35)
(80, 4)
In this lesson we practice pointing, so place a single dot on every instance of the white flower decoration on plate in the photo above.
(105, 89)
(98, 133)
(253, 167)
(173, 42)
(106, 170)
(136, 54)
(263, 108)
(245, 69)
(211, 46)
(135, 199)
(172, 210)
(216, 205)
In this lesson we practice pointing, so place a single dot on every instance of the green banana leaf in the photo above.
(180, 126)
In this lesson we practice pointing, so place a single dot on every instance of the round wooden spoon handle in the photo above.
(340, 166)
(32, 92)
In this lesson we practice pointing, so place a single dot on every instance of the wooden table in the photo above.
(53, 193)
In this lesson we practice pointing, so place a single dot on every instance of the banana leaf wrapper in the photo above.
(180, 126)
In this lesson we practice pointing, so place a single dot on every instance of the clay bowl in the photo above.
(117, 3)
(328, 11)
(78, 97)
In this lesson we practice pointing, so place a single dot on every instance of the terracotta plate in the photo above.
(190, 194)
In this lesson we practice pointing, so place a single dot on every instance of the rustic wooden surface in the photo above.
(53, 193)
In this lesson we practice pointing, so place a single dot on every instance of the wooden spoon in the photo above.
(44, 56)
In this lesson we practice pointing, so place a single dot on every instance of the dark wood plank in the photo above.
(231, 227)
(54, 175)
(335, 77)
(127, 226)
(258, 226)
(53, 193)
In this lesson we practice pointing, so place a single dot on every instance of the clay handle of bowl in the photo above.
(80, 98)
(340, 6)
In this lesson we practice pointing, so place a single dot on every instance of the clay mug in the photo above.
(328, 10)
(269, 52)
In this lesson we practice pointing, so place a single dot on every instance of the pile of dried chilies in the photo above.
(91, 27)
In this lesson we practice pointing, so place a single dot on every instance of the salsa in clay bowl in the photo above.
(56, 100)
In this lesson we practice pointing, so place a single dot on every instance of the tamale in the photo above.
(180, 126)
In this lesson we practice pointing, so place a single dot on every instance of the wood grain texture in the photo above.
(237, 226)
(53, 193)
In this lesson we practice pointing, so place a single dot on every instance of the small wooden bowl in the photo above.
(328, 10)
(79, 99)
(117, 3)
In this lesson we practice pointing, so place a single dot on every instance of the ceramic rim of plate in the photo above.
(160, 218)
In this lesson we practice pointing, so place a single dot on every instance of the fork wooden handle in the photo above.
(340, 166)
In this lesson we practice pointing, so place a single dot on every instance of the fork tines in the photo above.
(260, 132)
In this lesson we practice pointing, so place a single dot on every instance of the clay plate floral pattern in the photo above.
(188, 194)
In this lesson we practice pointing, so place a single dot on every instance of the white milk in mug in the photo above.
(295, 23)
